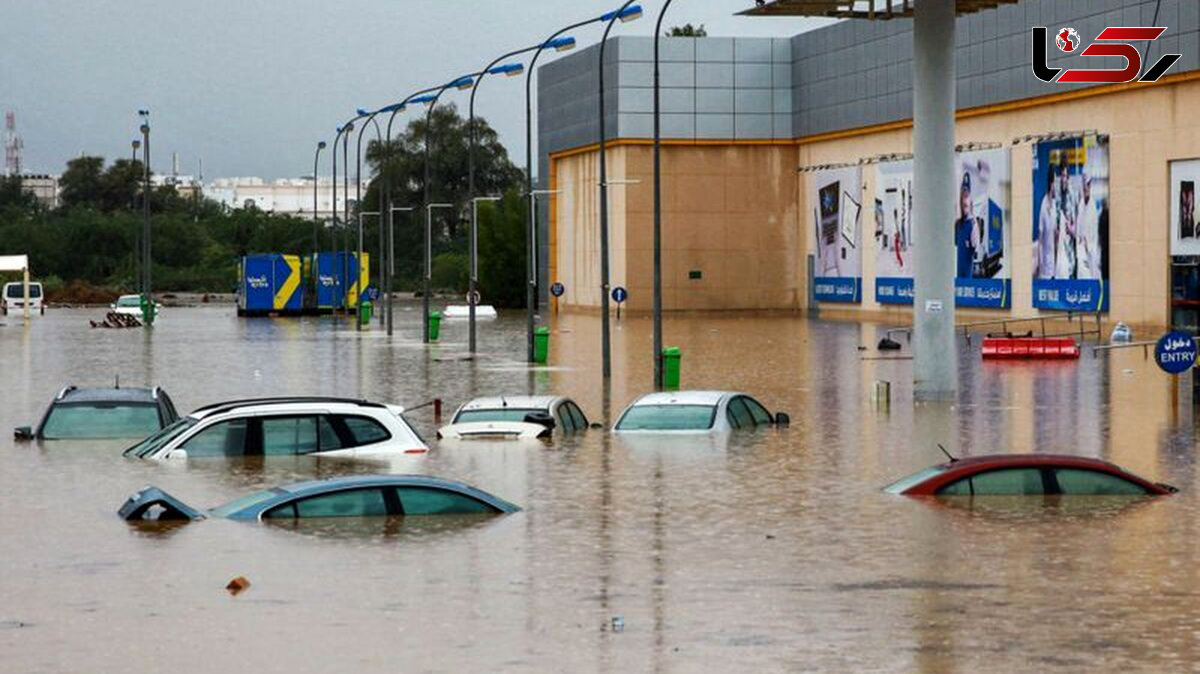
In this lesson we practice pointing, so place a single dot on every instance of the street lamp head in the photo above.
(463, 83)
(394, 107)
(561, 44)
(321, 145)
(144, 113)
(136, 144)
(362, 113)
(626, 15)
(426, 99)
(508, 70)
(145, 128)
(349, 127)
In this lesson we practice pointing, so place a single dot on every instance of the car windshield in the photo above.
(158, 440)
(129, 301)
(17, 292)
(904, 484)
(100, 420)
(668, 418)
(498, 414)
(244, 502)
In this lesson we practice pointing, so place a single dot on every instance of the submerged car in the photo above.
(12, 300)
(130, 305)
(360, 496)
(285, 427)
(697, 412)
(516, 417)
(1026, 474)
(102, 413)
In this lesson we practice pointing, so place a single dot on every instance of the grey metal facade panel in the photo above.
(714, 75)
(714, 101)
(752, 75)
(714, 126)
(753, 101)
(752, 50)
(718, 49)
(754, 127)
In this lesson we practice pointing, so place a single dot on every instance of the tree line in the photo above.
(93, 236)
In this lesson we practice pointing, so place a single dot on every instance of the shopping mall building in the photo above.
(787, 173)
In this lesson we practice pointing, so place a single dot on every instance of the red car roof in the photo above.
(953, 471)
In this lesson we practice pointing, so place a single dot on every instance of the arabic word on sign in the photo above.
(473, 297)
(558, 289)
(933, 306)
(620, 294)
(1175, 352)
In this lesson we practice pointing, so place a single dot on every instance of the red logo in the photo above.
(1067, 39)
(1112, 41)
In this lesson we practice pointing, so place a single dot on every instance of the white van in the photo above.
(13, 299)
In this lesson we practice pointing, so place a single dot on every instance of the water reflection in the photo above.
(772, 550)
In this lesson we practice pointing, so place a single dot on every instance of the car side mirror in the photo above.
(782, 419)
(177, 454)
(23, 433)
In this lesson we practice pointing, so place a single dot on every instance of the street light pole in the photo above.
(391, 256)
(657, 320)
(147, 257)
(316, 160)
(346, 211)
(605, 336)
(358, 201)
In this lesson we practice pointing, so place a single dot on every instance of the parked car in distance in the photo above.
(130, 305)
(515, 417)
(358, 496)
(696, 412)
(1026, 474)
(13, 299)
(102, 413)
(286, 426)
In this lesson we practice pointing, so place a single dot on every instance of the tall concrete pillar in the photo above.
(935, 354)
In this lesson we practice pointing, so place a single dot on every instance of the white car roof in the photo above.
(518, 402)
(298, 407)
(683, 398)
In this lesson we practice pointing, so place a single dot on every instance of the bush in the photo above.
(450, 273)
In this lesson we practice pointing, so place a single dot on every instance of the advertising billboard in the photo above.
(1185, 231)
(1070, 224)
(983, 275)
(836, 195)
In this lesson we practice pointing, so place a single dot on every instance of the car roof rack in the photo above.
(227, 404)
(63, 393)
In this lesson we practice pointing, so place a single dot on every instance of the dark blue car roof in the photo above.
(288, 492)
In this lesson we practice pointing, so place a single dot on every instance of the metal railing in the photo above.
(1146, 346)
(1004, 324)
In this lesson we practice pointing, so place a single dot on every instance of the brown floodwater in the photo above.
(762, 551)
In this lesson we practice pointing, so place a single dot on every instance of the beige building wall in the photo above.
(734, 210)
(727, 214)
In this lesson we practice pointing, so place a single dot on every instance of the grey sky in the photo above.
(252, 86)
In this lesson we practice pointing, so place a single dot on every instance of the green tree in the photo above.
(81, 182)
(502, 257)
(402, 164)
(687, 30)
(13, 194)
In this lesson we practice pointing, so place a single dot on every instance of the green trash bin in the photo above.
(670, 365)
(364, 312)
(435, 325)
(541, 345)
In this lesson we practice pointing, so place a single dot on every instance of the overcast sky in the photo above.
(251, 86)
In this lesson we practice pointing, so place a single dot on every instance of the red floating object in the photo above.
(1025, 348)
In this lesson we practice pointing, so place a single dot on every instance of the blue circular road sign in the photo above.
(1175, 352)
(620, 294)
(558, 289)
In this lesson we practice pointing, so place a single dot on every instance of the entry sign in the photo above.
(620, 294)
(1175, 352)
(558, 289)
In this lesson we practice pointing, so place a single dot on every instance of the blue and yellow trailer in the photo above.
(338, 271)
(270, 283)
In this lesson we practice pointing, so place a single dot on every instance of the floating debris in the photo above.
(115, 320)
(237, 585)
(618, 624)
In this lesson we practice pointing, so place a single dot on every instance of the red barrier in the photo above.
(1021, 348)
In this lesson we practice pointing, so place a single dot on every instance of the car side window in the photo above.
(224, 438)
(759, 413)
(1093, 482)
(365, 431)
(1002, 482)
(563, 415)
(577, 416)
(348, 503)
(430, 501)
(284, 436)
(739, 416)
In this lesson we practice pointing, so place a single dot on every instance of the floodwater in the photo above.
(763, 551)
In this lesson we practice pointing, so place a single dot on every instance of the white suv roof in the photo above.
(517, 402)
(297, 404)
